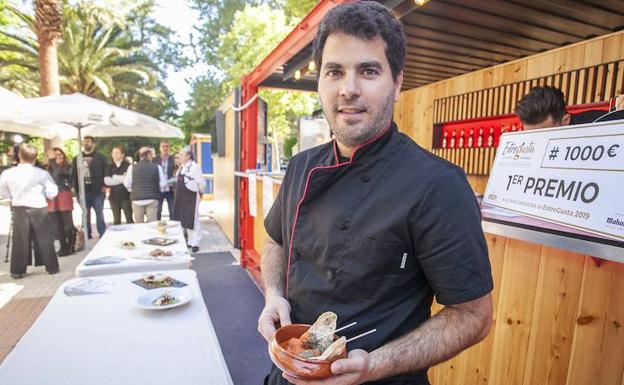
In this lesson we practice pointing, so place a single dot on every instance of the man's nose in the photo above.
(350, 86)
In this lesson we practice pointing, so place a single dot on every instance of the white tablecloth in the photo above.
(102, 339)
(109, 246)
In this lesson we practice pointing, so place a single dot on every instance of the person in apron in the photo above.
(189, 187)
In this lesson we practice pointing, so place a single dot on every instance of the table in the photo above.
(108, 245)
(103, 339)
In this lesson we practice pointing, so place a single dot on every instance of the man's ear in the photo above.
(398, 83)
(565, 121)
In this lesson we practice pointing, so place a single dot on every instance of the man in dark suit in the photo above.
(165, 160)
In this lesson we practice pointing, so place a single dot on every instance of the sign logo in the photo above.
(514, 151)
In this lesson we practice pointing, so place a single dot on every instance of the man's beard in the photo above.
(352, 137)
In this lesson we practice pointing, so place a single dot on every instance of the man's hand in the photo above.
(348, 371)
(276, 310)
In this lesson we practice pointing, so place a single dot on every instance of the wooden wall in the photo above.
(224, 168)
(558, 320)
(559, 317)
(414, 110)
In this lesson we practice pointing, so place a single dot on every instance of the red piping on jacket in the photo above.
(305, 192)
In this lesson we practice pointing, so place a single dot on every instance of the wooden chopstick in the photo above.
(339, 329)
(361, 335)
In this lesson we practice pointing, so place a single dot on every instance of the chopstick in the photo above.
(339, 329)
(361, 335)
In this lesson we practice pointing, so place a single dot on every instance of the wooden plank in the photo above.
(599, 327)
(515, 312)
(552, 327)
(474, 364)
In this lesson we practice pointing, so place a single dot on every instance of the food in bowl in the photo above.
(305, 351)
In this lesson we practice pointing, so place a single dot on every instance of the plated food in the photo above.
(160, 253)
(163, 298)
(160, 241)
(127, 245)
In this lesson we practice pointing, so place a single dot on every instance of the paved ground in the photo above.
(21, 301)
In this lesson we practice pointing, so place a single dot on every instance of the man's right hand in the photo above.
(276, 310)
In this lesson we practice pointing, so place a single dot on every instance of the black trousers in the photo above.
(32, 224)
(117, 206)
(64, 229)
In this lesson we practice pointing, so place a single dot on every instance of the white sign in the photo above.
(267, 195)
(253, 210)
(571, 175)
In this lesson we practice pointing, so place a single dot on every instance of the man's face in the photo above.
(549, 122)
(88, 145)
(356, 88)
(165, 148)
(117, 155)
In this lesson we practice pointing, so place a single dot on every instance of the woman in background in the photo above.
(60, 208)
(189, 187)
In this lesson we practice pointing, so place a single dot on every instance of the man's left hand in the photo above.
(348, 371)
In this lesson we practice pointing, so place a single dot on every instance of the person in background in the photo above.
(93, 169)
(145, 180)
(545, 107)
(60, 207)
(119, 196)
(189, 187)
(28, 187)
(166, 161)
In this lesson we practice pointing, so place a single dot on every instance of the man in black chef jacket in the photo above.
(371, 226)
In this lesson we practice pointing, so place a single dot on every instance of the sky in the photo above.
(178, 15)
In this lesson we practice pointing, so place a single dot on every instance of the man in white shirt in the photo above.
(165, 160)
(189, 187)
(119, 197)
(28, 187)
(145, 180)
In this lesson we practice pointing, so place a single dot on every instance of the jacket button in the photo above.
(330, 275)
(343, 225)
(365, 178)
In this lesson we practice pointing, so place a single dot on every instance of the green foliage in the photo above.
(252, 34)
(289, 143)
(104, 53)
(298, 8)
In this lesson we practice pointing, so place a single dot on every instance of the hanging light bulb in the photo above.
(297, 74)
(311, 66)
(420, 3)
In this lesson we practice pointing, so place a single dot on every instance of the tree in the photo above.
(48, 27)
(101, 55)
(252, 33)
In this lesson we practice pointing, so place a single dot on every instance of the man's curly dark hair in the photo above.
(365, 20)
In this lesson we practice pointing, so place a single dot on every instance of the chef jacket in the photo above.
(374, 238)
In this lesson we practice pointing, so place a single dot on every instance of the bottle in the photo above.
(445, 140)
(461, 139)
(490, 138)
(453, 140)
(471, 138)
(480, 138)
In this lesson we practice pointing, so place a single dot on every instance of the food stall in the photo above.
(558, 310)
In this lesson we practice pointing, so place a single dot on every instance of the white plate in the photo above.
(146, 300)
(119, 244)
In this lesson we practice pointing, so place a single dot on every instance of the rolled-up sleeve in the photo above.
(50, 188)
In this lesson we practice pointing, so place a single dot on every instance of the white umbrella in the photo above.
(95, 117)
(83, 115)
(13, 108)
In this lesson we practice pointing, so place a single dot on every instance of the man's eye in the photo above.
(333, 73)
(370, 72)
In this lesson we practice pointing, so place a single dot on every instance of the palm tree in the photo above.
(96, 57)
(49, 27)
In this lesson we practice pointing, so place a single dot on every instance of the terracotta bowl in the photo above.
(292, 364)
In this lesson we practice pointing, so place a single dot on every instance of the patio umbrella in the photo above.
(84, 115)
(13, 108)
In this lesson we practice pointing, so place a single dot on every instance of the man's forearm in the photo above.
(273, 268)
(440, 338)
